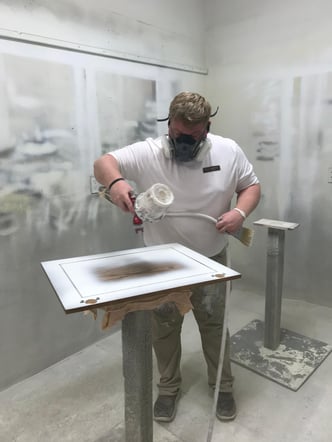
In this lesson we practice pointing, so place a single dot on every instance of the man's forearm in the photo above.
(248, 198)
(106, 170)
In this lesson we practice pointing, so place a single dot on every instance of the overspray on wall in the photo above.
(290, 143)
(45, 150)
(59, 111)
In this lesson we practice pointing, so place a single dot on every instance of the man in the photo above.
(204, 172)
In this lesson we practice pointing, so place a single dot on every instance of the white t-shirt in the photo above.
(205, 187)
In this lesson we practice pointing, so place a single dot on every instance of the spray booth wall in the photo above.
(60, 110)
(275, 91)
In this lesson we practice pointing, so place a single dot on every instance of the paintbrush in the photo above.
(244, 235)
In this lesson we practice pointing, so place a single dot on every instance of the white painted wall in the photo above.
(157, 31)
(270, 66)
(268, 36)
(253, 51)
(149, 40)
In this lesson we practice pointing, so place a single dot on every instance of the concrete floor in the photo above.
(81, 398)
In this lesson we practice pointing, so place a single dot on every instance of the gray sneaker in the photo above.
(164, 409)
(226, 408)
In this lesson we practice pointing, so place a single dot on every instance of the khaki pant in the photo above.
(208, 309)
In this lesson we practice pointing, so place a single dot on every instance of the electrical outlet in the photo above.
(329, 175)
(94, 185)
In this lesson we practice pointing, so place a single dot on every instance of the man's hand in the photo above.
(120, 196)
(229, 222)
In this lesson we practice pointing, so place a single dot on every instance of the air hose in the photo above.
(225, 324)
(222, 352)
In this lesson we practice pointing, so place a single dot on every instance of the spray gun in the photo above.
(153, 204)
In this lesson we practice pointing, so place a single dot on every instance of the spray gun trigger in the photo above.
(136, 219)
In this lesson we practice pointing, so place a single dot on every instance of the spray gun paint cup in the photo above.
(152, 205)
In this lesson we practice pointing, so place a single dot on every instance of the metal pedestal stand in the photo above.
(274, 278)
(128, 284)
(137, 372)
(278, 354)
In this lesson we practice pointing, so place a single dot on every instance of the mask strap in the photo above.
(167, 118)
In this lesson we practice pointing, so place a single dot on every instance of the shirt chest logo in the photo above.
(211, 169)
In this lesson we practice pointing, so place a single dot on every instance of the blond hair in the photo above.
(189, 107)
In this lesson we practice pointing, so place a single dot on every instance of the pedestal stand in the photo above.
(274, 278)
(137, 373)
(129, 276)
(286, 357)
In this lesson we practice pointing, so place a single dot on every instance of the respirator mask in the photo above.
(185, 147)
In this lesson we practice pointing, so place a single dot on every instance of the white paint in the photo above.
(290, 44)
(276, 224)
(78, 279)
(7, 139)
(282, 35)
(145, 31)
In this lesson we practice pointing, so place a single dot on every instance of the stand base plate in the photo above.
(290, 365)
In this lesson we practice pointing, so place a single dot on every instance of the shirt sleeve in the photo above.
(130, 158)
(246, 174)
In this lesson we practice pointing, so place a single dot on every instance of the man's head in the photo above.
(188, 125)
(190, 108)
